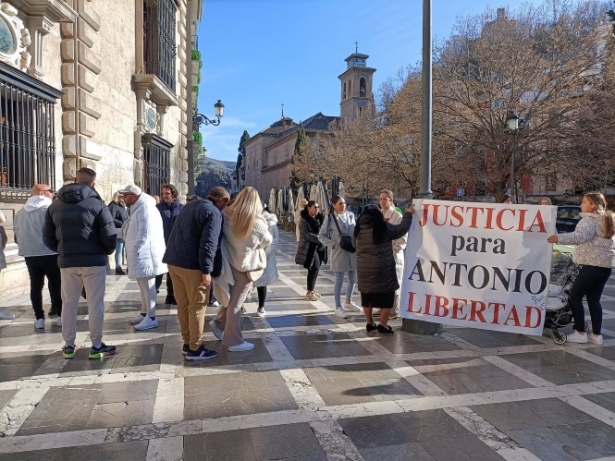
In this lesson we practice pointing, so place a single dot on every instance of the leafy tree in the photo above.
(302, 160)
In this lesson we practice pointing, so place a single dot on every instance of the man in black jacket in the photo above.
(118, 211)
(169, 210)
(190, 255)
(79, 227)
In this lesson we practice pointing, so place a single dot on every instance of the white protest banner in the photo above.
(478, 265)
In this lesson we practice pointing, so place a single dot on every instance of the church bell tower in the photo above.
(357, 97)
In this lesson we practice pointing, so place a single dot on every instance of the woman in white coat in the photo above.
(340, 222)
(391, 215)
(145, 247)
(271, 270)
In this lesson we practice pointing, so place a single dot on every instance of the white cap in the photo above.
(132, 189)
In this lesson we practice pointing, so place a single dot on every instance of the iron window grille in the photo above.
(27, 141)
(160, 49)
(157, 162)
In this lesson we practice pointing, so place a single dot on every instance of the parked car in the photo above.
(568, 217)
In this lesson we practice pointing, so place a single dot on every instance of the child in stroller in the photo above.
(559, 313)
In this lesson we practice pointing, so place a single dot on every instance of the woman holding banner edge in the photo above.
(377, 278)
(593, 253)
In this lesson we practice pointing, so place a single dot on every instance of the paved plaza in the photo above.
(314, 388)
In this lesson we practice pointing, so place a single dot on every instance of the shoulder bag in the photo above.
(345, 242)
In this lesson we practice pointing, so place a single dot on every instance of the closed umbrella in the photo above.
(272, 200)
(342, 189)
(280, 203)
(289, 200)
(300, 197)
(313, 192)
(322, 198)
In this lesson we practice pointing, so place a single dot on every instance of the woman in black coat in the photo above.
(311, 253)
(377, 276)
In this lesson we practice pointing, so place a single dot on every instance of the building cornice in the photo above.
(53, 10)
(357, 70)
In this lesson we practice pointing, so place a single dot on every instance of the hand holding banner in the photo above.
(479, 265)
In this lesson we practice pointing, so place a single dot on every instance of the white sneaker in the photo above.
(351, 306)
(215, 304)
(576, 337)
(244, 346)
(136, 319)
(40, 324)
(146, 324)
(595, 339)
(261, 312)
(340, 312)
(218, 333)
(59, 321)
(6, 315)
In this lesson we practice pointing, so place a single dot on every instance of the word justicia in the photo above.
(483, 217)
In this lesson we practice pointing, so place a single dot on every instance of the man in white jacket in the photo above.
(145, 247)
(40, 260)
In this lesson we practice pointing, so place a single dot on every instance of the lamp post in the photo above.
(411, 325)
(512, 124)
(197, 121)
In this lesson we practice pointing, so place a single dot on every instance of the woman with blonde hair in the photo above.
(593, 254)
(545, 201)
(246, 235)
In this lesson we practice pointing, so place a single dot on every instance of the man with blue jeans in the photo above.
(340, 222)
(118, 211)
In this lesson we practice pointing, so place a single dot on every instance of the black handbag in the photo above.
(345, 240)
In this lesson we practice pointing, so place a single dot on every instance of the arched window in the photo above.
(350, 88)
(362, 88)
(344, 90)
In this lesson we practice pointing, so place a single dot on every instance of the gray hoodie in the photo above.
(28, 227)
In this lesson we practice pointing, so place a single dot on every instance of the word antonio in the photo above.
(483, 217)
(469, 310)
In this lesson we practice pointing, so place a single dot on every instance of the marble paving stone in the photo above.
(303, 320)
(130, 357)
(604, 352)
(281, 305)
(5, 396)
(468, 448)
(128, 451)
(323, 346)
(606, 400)
(359, 383)
(404, 343)
(230, 394)
(125, 391)
(121, 414)
(490, 339)
(402, 452)
(18, 366)
(51, 331)
(225, 357)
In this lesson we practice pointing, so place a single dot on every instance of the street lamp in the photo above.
(513, 125)
(200, 119)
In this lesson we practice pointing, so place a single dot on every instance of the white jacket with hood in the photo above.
(271, 270)
(28, 227)
(144, 237)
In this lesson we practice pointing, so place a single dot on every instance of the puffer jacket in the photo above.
(271, 270)
(119, 213)
(341, 260)
(309, 244)
(144, 238)
(375, 261)
(169, 213)
(592, 249)
(79, 227)
(196, 237)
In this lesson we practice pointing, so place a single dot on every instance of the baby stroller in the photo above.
(559, 313)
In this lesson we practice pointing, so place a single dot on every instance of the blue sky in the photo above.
(260, 54)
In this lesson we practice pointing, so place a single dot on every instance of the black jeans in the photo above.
(170, 299)
(40, 267)
(589, 282)
(262, 296)
(313, 272)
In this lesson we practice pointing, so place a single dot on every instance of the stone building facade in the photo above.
(96, 83)
(268, 155)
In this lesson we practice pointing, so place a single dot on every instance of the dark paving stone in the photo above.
(235, 394)
(130, 357)
(402, 428)
(560, 367)
(323, 346)
(405, 343)
(466, 376)
(125, 391)
(293, 442)
(359, 383)
(402, 452)
(130, 296)
(490, 339)
(5, 396)
(51, 331)
(528, 414)
(256, 355)
(23, 365)
(121, 414)
(128, 451)
(468, 448)
(302, 320)
(604, 400)
(286, 304)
